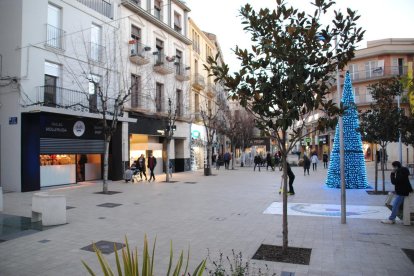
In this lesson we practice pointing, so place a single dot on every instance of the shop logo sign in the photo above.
(79, 128)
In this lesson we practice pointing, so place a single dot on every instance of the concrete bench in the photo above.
(408, 209)
(408, 206)
(50, 209)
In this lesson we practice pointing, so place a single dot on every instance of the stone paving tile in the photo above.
(182, 212)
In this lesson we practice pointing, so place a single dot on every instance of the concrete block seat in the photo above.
(50, 209)
(408, 208)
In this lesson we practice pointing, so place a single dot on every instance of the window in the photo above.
(52, 78)
(96, 41)
(353, 71)
(159, 87)
(177, 22)
(178, 62)
(136, 91)
(179, 102)
(374, 68)
(159, 45)
(54, 33)
(196, 41)
(397, 66)
(196, 103)
(355, 92)
(94, 86)
(136, 39)
(158, 9)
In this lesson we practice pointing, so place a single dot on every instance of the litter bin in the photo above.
(207, 170)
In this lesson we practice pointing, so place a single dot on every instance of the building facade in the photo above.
(380, 60)
(57, 61)
(154, 40)
(204, 97)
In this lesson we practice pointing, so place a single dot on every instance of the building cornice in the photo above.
(149, 17)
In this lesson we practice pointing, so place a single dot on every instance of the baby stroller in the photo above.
(135, 173)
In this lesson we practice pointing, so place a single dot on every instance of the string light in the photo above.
(355, 170)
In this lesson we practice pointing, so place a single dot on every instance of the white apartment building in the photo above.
(54, 57)
(154, 40)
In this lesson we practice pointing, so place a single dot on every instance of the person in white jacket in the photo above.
(314, 160)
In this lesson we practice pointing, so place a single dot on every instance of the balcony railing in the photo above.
(55, 37)
(378, 73)
(162, 64)
(181, 72)
(101, 6)
(211, 90)
(97, 52)
(58, 97)
(198, 82)
(138, 52)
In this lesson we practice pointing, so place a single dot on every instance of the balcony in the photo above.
(138, 53)
(211, 90)
(378, 73)
(55, 37)
(162, 64)
(198, 82)
(181, 72)
(101, 6)
(62, 98)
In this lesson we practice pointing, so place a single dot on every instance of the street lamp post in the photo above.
(341, 145)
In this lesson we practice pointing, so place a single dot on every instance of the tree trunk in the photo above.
(106, 165)
(167, 160)
(376, 168)
(207, 168)
(285, 195)
(383, 168)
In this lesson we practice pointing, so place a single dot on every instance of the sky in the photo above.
(380, 18)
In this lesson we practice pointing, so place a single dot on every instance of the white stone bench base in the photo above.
(50, 209)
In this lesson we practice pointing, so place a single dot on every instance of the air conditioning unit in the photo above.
(133, 52)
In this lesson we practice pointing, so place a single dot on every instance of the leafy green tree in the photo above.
(381, 123)
(287, 73)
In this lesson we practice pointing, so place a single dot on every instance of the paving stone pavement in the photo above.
(215, 214)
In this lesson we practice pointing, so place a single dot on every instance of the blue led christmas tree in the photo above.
(355, 170)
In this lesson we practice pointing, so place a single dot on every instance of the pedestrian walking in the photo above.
(314, 160)
(152, 162)
(325, 160)
(257, 162)
(170, 167)
(306, 164)
(269, 161)
(227, 160)
(291, 176)
(399, 178)
(141, 166)
(219, 161)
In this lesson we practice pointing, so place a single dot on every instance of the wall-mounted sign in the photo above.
(79, 128)
(195, 134)
(12, 120)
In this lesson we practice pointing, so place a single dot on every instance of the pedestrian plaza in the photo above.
(231, 210)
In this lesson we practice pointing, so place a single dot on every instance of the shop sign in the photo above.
(195, 134)
(69, 128)
(258, 142)
(323, 139)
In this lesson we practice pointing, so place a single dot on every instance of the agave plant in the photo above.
(131, 266)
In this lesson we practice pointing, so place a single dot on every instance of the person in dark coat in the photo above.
(325, 160)
(141, 166)
(257, 162)
(399, 178)
(152, 162)
(291, 176)
(306, 164)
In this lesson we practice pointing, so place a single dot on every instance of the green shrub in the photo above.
(131, 265)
